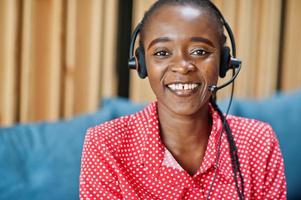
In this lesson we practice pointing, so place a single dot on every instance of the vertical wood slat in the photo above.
(291, 63)
(140, 90)
(95, 43)
(43, 64)
(87, 60)
(55, 71)
(25, 69)
(108, 80)
(268, 48)
(8, 60)
(246, 47)
(69, 60)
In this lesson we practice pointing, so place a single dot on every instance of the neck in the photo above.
(184, 131)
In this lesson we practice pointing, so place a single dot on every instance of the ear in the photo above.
(224, 61)
(141, 66)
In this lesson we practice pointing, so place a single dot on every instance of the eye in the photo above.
(200, 52)
(161, 53)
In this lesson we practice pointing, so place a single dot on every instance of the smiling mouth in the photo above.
(183, 89)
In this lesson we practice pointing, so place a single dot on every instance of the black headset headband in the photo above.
(224, 22)
(228, 60)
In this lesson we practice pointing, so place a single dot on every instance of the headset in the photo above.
(226, 61)
(137, 61)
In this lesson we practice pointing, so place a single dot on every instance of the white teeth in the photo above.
(183, 86)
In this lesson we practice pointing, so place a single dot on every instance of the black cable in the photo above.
(231, 95)
(233, 152)
(216, 163)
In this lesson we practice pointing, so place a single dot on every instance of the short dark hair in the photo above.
(202, 4)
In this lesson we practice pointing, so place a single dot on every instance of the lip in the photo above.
(183, 82)
(184, 93)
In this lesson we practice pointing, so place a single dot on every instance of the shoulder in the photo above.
(250, 126)
(109, 130)
(113, 133)
(257, 144)
(251, 132)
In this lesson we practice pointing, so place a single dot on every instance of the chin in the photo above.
(186, 111)
(185, 108)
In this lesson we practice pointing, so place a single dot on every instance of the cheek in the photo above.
(215, 68)
(210, 71)
(214, 74)
(154, 76)
(155, 69)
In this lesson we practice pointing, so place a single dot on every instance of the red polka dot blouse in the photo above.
(125, 159)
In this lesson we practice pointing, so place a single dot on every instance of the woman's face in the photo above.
(182, 54)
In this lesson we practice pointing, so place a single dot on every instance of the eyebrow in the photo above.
(193, 39)
(157, 40)
(201, 39)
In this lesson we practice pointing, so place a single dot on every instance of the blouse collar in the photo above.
(153, 150)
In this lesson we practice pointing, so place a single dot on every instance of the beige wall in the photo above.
(52, 55)
(57, 57)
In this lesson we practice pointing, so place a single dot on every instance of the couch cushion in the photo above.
(122, 106)
(42, 160)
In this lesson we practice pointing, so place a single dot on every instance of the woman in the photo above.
(180, 147)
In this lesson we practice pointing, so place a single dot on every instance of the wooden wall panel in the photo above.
(9, 19)
(69, 62)
(87, 44)
(256, 26)
(108, 81)
(42, 60)
(291, 63)
(26, 59)
(267, 48)
(258, 43)
(57, 58)
(91, 31)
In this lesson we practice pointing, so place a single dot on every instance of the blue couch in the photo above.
(41, 161)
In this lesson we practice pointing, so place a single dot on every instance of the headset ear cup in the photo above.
(141, 66)
(225, 62)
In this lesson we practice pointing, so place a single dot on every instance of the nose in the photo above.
(182, 65)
